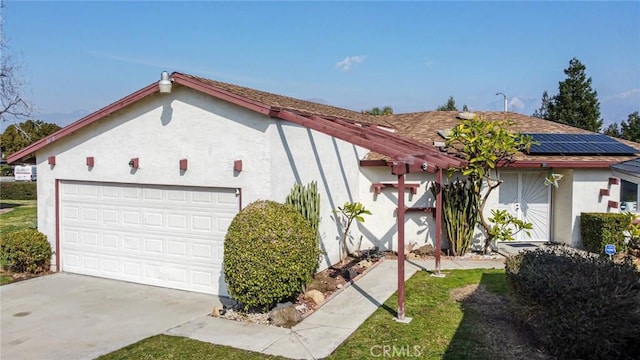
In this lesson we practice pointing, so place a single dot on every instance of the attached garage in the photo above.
(170, 236)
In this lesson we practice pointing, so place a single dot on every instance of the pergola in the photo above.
(407, 156)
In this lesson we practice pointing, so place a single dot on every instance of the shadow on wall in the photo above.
(333, 178)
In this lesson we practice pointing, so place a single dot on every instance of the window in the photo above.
(628, 196)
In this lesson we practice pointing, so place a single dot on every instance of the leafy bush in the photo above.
(25, 251)
(579, 305)
(6, 170)
(18, 190)
(270, 254)
(599, 229)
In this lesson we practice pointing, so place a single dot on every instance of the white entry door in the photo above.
(525, 196)
(169, 236)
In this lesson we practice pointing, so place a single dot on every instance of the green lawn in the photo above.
(22, 216)
(441, 328)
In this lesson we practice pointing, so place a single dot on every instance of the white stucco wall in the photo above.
(380, 228)
(586, 196)
(562, 209)
(211, 134)
(302, 155)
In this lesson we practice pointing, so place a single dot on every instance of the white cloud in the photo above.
(516, 104)
(629, 94)
(345, 65)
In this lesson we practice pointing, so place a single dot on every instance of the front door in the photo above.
(525, 196)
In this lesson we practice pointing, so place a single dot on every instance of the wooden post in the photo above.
(400, 225)
(438, 219)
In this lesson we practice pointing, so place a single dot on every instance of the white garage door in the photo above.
(156, 235)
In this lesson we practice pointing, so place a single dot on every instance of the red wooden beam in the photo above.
(401, 209)
(438, 219)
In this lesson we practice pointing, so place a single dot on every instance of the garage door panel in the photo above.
(156, 235)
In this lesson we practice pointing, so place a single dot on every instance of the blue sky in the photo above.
(80, 56)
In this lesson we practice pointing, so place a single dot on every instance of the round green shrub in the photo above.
(270, 254)
(25, 251)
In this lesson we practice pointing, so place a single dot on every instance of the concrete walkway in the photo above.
(318, 335)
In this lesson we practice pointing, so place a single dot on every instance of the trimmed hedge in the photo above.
(25, 251)
(578, 305)
(270, 254)
(18, 191)
(599, 229)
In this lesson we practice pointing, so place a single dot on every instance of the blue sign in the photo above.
(610, 249)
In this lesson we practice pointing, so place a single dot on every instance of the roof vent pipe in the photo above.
(165, 83)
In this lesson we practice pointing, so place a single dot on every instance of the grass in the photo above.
(441, 328)
(173, 347)
(437, 320)
(22, 216)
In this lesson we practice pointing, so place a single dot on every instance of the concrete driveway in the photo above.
(66, 316)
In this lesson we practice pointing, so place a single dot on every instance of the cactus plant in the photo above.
(306, 200)
(460, 210)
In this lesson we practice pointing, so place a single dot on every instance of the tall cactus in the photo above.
(306, 199)
(460, 210)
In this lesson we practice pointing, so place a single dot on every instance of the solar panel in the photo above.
(578, 144)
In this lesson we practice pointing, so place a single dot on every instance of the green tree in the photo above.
(577, 103)
(465, 107)
(449, 106)
(387, 110)
(18, 136)
(486, 146)
(613, 130)
(630, 129)
(543, 111)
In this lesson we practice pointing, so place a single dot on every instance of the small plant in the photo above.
(270, 253)
(350, 211)
(25, 251)
(505, 227)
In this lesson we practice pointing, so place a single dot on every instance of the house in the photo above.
(144, 189)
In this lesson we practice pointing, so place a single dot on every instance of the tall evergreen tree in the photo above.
(576, 103)
(543, 111)
(449, 106)
(630, 129)
(613, 130)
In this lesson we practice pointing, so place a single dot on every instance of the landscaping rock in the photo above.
(425, 250)
(314, 295)
(217, 311)
(412, 256)
(350, 273)
(285, 315)
(339, 286)
(365, 264)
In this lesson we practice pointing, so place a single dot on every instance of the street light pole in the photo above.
(505, 100)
